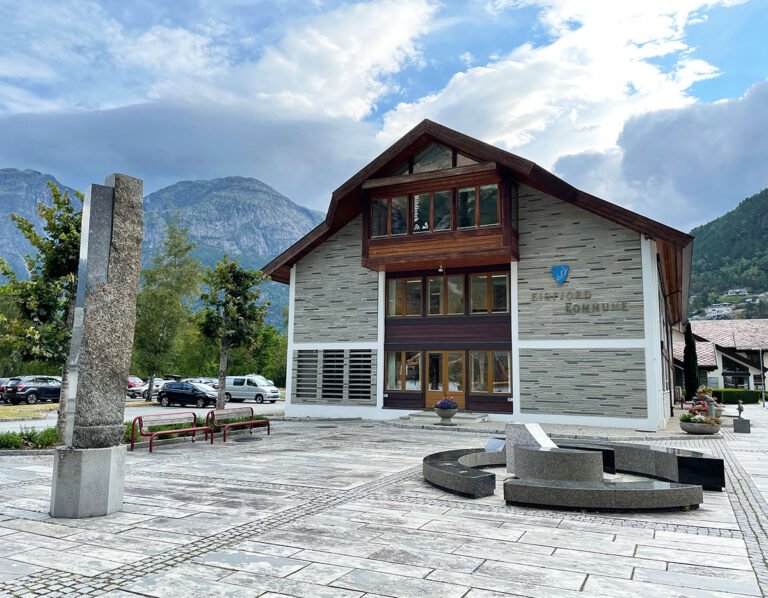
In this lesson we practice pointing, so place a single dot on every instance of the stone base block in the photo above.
(741, 426)
(87, 482)
(524, 435)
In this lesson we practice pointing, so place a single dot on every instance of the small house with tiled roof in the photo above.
(731, 353)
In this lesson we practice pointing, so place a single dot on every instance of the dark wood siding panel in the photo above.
(489, 404)
(460, 332)
(394, 400)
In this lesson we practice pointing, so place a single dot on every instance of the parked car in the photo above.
(212, 382)
(142, 391)
(187, 393)
(251, 386)
(3, 382)
(31, 389)
(134, 381)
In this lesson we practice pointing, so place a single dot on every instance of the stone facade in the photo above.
(336, 298)
(584, 382)
(603, 295)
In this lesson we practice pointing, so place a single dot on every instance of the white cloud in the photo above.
(575, 93)
(686, 166)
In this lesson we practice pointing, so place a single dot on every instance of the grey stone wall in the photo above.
(605, 279)
(584, 382)
(336, 298)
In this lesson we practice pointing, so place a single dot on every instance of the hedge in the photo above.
(731, 396)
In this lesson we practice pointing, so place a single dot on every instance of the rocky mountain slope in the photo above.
(242, 217)
(20, 190)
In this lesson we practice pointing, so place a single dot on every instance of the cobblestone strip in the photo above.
(593, 519)
(42, 583)
(751, 512)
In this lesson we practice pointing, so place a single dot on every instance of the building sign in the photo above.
(579, 302)
(560, 273)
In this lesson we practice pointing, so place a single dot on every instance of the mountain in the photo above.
(20, 190)
(242, 217)
(732, 251)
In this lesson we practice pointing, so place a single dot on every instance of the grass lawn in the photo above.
(37, 411)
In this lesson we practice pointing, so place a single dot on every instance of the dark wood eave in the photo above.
(345, 205)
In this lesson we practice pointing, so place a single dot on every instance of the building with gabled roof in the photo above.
(450, 268)
(731, 353)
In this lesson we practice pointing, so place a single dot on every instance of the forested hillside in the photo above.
(732, 251)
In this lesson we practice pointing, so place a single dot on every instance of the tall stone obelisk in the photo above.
(89, 471)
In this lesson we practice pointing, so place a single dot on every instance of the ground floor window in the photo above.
(490, 372)
(403, 370)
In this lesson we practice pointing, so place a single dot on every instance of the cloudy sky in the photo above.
(657, 105)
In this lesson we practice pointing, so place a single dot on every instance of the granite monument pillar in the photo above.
(89, 471)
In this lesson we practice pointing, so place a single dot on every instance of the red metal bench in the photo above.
(217, 420)
(144, 423)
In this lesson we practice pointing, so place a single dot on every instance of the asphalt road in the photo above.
(134, 408)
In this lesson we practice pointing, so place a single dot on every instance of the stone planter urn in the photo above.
(692, 428)
(445, 416)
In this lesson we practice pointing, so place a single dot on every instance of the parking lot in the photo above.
(133, 409)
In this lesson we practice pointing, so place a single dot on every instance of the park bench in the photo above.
(240, 417)
(144, 424)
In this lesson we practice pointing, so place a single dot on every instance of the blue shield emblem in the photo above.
(560, 273)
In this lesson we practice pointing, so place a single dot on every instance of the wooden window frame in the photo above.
(489, 355)
(488, 294)
(498, 206)
(453, 207)
(405, 280)
(402, 377)
(444, 296)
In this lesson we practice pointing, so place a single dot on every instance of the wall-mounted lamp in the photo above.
(441, 269)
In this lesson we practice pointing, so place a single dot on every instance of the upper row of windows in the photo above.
(488, 293)
(430, 212)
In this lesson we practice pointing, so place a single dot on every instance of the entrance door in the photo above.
(445, 377)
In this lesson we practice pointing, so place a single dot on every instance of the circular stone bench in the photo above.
(457, 471)
(607, 496)
(669, 464)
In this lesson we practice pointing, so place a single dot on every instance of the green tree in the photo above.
(232, 315)
(690, 364)
(39, 329)
(163, 305)
(42, 306)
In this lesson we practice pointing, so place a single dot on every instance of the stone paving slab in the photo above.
(339, 510)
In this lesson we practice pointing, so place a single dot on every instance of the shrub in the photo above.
(731, 396)
(46, 438)
(10, 440)
(29, 438)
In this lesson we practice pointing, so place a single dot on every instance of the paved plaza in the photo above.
(338, 509)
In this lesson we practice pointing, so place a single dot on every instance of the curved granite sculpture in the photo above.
(570, 475)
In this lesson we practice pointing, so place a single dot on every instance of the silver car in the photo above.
(251, 387)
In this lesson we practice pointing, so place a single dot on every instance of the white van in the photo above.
(251, 386)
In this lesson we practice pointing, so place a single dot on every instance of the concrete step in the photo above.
(429, 416)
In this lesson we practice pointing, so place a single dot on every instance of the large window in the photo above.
(445, 295)
(478, 206)
(404, 297)
(490, 372)
(489, 293)
(403, 370)
(432, 211)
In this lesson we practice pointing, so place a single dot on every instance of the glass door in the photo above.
(445, 377)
